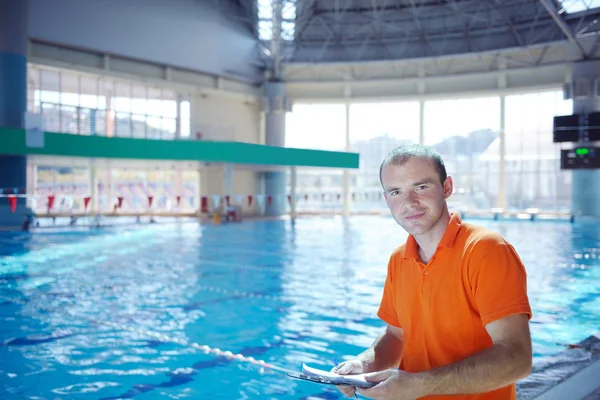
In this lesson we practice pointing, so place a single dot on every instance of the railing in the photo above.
(77, 120)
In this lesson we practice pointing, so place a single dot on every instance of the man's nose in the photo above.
(410, 199)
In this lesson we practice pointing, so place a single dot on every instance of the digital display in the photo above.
(576, 127)
(580, 158)
(593, 132)
(566, 128)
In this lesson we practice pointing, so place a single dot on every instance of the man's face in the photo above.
(415, 195)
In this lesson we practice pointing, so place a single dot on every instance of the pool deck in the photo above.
(595, 395)
(584, 382)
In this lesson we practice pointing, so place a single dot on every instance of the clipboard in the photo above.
(325, 381)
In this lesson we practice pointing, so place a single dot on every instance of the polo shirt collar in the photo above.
(411, 250)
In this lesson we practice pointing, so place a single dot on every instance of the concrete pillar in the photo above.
(422, 121)
(275, 181)
(13, 101)
(110, 194)
(502, 166)
(31, 185)
(347, 171)
(293, 179)
(93, 208)
(585, 195)
(228, 180)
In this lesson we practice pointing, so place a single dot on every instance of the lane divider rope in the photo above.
(170, 339)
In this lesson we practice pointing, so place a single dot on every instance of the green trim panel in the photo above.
(12, 141)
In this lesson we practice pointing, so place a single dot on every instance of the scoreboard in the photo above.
(576, 127)
(580, 158)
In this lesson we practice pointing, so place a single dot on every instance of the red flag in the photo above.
(204, 204)
(150, 198)
(119, 201)
(178, 198)
(227, 200)
(12, 200)
(250, 197)
(269, 199)
(290, 199)
(50, 202)
(86, 202)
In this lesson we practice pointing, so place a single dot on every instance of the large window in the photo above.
(466, 132)
(532, 162)
(375, 130)
(96, 105)
(461, 130)
(316, 126)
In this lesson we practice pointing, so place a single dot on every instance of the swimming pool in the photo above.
(120, 312)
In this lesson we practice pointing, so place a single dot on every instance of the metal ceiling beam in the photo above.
(420, 30)
(563, 26)
(276, 39)
(496, 5)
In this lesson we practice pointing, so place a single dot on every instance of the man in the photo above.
(455, 298)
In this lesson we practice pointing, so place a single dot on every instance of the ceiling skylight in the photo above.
(573, 6)
(265, 19)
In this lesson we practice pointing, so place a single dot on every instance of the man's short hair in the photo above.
(402, 154)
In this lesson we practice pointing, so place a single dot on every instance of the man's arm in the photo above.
(507, 361)
(385, 352)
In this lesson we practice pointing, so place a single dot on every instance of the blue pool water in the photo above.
(113, 313)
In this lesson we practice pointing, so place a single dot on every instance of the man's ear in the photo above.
(448, 187)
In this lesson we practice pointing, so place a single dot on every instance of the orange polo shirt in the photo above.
(475, 277)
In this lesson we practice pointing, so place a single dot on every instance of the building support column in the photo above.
(502, 165)
(346, 193)
(13, 103)
(293, 180)
(585, 195)
(276, 105)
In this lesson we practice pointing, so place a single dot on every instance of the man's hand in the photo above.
(393, 384)
(351, 367)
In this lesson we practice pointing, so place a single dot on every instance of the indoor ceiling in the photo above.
(317, 31)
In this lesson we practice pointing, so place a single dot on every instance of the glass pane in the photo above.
(139, 102)
(99, 123)
(531, 154)
(316, 126)
(33, 90)
(122, 98)
(169, 104)
(184, 115)
(105, 92)
(154, 127)
(68, 120)
(69, 85)
(123, 124)
(138, 125)
(375, 130)
(465, 132)
(51, 117)
(154, 102)
(169, 127)
(86, 121)
(50, 82)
